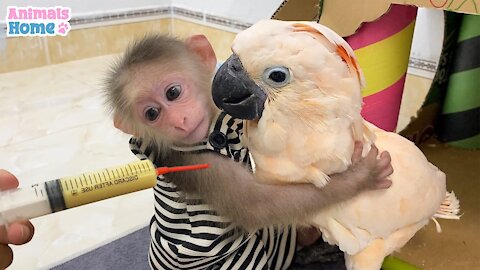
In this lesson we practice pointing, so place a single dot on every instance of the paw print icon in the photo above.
(63, 28)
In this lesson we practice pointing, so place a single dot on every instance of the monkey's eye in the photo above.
(276, 76)
(151, 114)
(173, 92)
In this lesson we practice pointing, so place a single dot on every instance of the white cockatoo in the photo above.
(298, 85)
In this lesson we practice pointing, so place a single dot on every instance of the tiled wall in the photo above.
(220, 39)
(23, 53)
(110, 34)
(89, 42)
(30, 52)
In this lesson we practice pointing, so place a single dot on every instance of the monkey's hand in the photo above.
(369, 172)
(235, 192)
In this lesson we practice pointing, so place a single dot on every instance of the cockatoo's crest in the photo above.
(342, 48)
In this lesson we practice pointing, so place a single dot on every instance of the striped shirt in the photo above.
(188, 234)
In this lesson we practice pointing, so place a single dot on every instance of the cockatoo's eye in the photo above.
(276, 76)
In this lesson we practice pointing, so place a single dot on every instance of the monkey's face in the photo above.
(172, 102)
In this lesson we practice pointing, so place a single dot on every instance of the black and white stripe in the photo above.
(229, 128)
(188, 234)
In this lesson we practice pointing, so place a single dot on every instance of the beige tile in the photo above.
(22, 53)
(90, 42)
(53, 124)
(221, 40)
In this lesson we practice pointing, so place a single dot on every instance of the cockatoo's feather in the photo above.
(342, 48)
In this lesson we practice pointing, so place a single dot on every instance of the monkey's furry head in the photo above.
(153, 49)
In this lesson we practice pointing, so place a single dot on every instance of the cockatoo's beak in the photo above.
(236, 93)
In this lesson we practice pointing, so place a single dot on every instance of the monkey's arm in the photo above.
(233, 191)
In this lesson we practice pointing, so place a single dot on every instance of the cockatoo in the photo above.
(298, 85)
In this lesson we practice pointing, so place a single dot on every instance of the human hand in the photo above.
(17, 233)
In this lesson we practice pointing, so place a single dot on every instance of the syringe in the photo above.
(68, 192)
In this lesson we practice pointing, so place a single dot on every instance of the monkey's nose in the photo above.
(176, 120)
(180, 123)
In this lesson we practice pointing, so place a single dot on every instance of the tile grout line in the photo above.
(47, 50)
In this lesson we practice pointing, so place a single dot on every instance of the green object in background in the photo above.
(459, 122)
(393, 263)
(452, 106)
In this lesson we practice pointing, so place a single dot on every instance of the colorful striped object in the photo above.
(383, 49)
(452, 106)
(459, 122)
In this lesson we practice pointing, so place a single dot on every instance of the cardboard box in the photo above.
(346, 16)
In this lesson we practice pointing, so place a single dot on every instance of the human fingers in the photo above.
(7, 180)
(20, 232)
(6, 256)
(3, 235)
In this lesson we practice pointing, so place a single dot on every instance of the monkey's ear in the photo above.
(122, 125)
(200, 45)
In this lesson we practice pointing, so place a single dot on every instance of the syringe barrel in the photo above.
(107, 183)
(56, 195)
(23, 203)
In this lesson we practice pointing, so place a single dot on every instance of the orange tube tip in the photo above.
(165, 170)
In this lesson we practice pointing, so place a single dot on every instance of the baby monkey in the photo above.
(160, 92)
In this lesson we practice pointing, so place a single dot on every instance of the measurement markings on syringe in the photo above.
(138, 168)
(144, 166)
(84, 179)
(110, 181)
(108, 173)
(35, 186)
